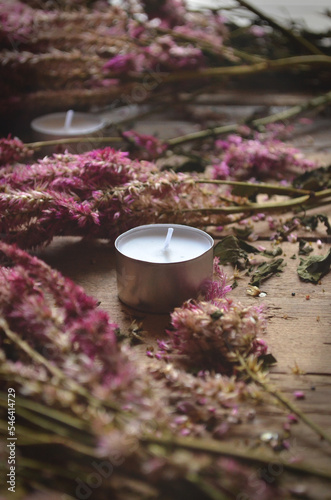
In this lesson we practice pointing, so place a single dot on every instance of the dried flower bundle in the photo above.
(59, 350)
(100, 405)
(13, 150)
(100, 193)
(60, 55)
(258, 158)
(208, 336)
(103, 192)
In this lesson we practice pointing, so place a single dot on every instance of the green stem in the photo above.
(64, 472)
(264, 207)
(313, 103)
(253, 207)
(63, 432)
(27, 437)
(206, 488)
(47, 411)
(284, 401)
(213, 447)
(244, 69)
(258, 188)
(72, 140)
(302, 42)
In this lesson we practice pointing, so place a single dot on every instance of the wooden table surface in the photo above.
(298, 333)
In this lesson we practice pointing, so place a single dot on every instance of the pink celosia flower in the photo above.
(208, 336)
(217, 287)
(13, 150)
(245, 158)
(55, 317)
(150, 147)
(98, 194)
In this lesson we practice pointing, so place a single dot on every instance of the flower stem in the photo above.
(244, 69)
(207, 488)
(257, 188)
(313, 103)
(59, 416)
(290, 34)
(265, 207)
(214, 447)
(284, 401)
(253, 207)
(72, 140)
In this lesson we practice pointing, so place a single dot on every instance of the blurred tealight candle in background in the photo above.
(67, 124)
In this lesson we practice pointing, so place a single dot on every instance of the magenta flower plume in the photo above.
(259, 157)
(57, 319)
(149, 147)
(13, 150)
(217, 288)
(162, 54)
(207, 336)
(97, 194)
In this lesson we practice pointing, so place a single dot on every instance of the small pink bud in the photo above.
(299, 394)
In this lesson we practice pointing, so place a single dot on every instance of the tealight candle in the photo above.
(67, 124)
(159, 266)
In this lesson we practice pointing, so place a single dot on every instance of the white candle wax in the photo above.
(147, 243)
(159, 266)
(67, 124)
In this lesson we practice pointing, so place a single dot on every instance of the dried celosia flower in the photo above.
(13, 150)
(99, 194)
(162, 54)
(56, 318)
(217, 288)
(257, 158)
(149, 147)
(209, 335)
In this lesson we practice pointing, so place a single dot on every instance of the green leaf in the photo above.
(266, 270)
(242, 232)
(314, 267)
(248, 191)
(247, 247)
(315, 180)
(229, 251)
(267, 360)
(304, 248)
(233, 251)
(275, 252)
(312, 221)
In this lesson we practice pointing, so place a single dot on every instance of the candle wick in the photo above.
(68, 119)
(168, 238)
